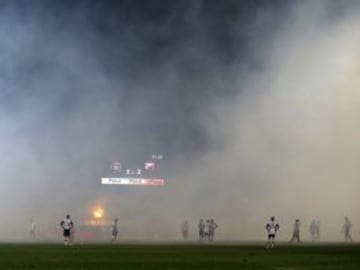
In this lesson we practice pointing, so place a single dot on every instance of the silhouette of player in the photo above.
(317, 230)
(296, 232)
(212, 229)
(67, 225)
(114, 231)
(185, 230)
(346, 229)
(272, 227)
(32, 229)
(201, 228)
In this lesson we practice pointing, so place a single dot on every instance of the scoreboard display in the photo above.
(145, 173)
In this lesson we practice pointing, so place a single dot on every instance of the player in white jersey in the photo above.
(185, 230)
(315, 230)
(212, 229)
(32, 229)
(207, 229)
(272, 227)
(67, 225)
(346, 229)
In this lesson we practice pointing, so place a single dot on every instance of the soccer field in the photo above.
(178, 256)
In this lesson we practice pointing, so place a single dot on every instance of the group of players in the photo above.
(272, 227)
(67, 226)
(207, 229)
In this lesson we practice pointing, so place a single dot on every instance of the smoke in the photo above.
(288, 140)
(254, 109)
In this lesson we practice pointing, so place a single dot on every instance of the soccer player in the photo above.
(114, 231)
(317, 230)
(212, 229)
(185, 230)
(346, 229)
(296, 232)
(67, 225)
(201, 228)
(206, 229)
(313, 230)
(32, 229)
(272, 227)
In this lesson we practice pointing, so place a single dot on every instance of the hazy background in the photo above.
(254, 105)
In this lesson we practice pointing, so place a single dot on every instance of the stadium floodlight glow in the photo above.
(98, 213)
(132, 181)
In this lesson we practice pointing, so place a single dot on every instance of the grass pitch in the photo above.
(178, 256)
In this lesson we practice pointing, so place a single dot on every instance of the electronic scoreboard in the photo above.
(145, 173)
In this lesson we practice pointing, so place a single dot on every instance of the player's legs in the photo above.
(348, 237)
(66, 240)
(273, 241)
(270, 243)
(212, 235)
(32, 234)
(66, 237)
(114, 236)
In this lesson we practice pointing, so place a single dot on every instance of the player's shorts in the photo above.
(271, 235)
(66, 232)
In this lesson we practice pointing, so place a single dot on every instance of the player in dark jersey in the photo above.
(346, 229)
(212, 229)
(114, 231)
(201, 228)
(296, 232)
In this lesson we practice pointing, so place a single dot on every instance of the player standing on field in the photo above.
(296, 232)
(32, 229)
(346, 229)
(213, 227)
(67, 225)
(272, 227)
(313, 230)
(201, 227)
(207, 229)
(317, 230)
(114, 231)
(185, 230)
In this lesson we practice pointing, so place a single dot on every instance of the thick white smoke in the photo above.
(280, 123)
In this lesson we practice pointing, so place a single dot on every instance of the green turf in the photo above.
(172, 256)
